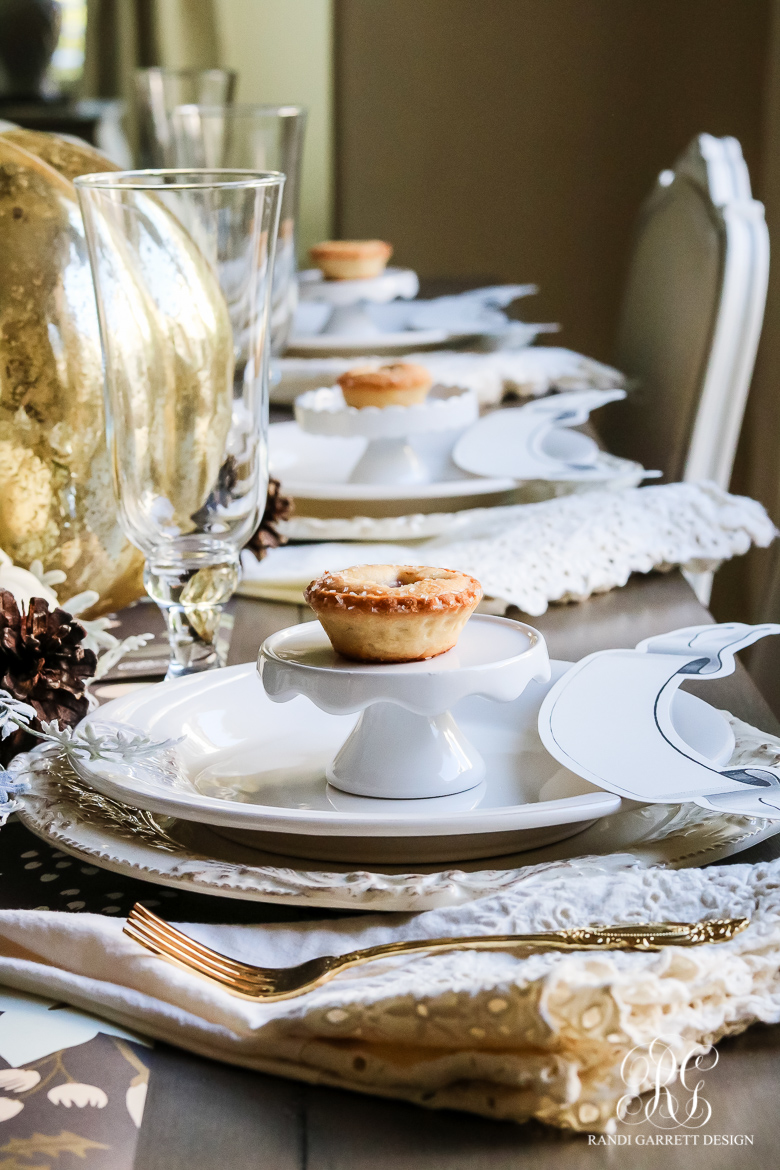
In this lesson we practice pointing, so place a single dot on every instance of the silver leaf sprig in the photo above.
(87, 744)
(10, 787)
(13, 714)
(60, 783)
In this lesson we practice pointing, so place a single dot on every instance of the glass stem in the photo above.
(192, 599)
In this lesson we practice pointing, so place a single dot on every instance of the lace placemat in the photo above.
(529, 555)
(526, 372)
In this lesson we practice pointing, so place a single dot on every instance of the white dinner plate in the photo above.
(318, 467)
(369, 324)
(247, 765)
(343, 344)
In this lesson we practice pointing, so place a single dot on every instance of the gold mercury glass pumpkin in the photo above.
(56, 497)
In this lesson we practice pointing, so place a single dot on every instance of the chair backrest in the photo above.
(764, 659)
(691, 317)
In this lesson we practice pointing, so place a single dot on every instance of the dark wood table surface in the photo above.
(201, 1115)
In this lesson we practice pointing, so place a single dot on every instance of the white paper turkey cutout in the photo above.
(611, 719)
(534, 441)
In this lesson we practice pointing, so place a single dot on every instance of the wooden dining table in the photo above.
(202, 1115)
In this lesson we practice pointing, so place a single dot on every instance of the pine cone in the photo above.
(277, 507)
(222, 495)
(42, 663)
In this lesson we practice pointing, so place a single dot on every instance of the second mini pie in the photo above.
(395, 384)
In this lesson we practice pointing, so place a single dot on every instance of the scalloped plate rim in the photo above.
(357, 888)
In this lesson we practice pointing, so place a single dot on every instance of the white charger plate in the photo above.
(423, 525)
(187, 856)
(392, 284)
(256, 769)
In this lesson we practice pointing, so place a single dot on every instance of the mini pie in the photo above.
(351, 259)
(398, 384)
(393, 613)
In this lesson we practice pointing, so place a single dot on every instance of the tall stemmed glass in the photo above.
(182, 263)
(262, 138)
(159, 90)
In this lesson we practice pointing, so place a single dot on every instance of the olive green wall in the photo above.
(748, 588)
(517, 138)
(283, 52)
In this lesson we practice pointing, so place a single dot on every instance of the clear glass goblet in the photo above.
(182, 263)
(261, 138)
(159, 90)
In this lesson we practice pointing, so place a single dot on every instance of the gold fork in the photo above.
(266, 984)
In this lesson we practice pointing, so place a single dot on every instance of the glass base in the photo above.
(191, 597)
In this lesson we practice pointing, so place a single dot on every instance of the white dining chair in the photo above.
(764, 659)
(691, 319)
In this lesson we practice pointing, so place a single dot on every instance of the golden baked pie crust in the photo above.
(397, 376)
(351, 250)
(370, 589)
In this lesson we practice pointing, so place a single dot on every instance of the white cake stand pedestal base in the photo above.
(349, 299)
(389, 457)
(406, 743)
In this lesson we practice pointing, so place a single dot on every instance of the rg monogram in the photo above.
(657, 1068)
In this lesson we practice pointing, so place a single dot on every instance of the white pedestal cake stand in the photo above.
(389, 457)
(406, 743)
(349, 298)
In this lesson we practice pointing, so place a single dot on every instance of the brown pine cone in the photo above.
(277, 507)
(42, 663)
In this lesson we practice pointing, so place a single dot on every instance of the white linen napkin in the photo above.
(505, 1037)
(526, 372)
(564, 549)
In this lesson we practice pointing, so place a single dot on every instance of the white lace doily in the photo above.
(526, 372)
(569, 548)
(566, 549)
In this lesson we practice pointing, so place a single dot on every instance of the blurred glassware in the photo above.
(182, 263)
(56, 501)
(259, 138)
(158, 91)
(29, 30)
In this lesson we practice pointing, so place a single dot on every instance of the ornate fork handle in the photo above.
(273, 983)
(635, 937)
